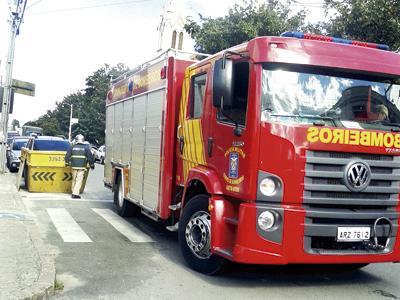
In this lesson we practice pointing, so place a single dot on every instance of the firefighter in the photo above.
(78, 157)
(383, 112)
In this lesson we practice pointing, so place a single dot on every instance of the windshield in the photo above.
(18, 144)
(311, 98)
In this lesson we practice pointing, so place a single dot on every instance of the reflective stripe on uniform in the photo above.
(78, 157)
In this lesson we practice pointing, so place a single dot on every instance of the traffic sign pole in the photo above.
(6, 96)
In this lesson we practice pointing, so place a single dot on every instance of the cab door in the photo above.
(230, 135)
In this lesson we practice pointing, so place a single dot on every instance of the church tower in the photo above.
(171, 31)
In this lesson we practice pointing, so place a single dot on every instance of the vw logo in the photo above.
(357, 176)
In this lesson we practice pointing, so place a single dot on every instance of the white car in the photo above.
(99, 154)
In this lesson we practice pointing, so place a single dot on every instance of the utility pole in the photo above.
(70, 125)
(15, 22)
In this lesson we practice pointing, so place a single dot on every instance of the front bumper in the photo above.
(236, 236)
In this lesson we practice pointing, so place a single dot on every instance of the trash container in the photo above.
(45, 172)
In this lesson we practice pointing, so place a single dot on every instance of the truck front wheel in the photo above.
(195, 237)
(124, 207)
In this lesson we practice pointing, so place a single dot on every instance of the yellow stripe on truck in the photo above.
(193, 153)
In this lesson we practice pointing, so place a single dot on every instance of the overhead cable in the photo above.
(90, 6)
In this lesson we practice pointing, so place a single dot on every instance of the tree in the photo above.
(88, 107)
(15, 124)
(243, 23)
(376, 21)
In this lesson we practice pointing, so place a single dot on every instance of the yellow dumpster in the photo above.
(45, 172)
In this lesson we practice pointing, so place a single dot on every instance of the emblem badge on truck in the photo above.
(357, 176)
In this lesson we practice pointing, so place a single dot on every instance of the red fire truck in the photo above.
(279, 150)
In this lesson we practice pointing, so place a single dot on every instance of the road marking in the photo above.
(44, 197)
(73, 200)
(66, 226)
(124, 227)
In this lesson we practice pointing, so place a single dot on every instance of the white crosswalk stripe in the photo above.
(124, 227)
(66, 226)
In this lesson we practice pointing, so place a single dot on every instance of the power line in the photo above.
(34, 4)
(91, 6)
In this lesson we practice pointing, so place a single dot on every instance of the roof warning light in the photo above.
(324, 38)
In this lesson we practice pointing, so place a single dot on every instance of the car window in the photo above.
(18, 144)
(51, 145)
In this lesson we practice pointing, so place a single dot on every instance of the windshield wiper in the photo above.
(386, 123)
(319, 122)
(397, 125)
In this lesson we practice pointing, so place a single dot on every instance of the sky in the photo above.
(62, 42)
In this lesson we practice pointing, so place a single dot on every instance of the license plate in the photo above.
(353, 234)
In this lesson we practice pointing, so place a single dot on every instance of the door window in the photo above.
(197, 96)
(238, 110)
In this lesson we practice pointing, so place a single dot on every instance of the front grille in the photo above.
(329, 203)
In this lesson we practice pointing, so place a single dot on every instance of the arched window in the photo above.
(173, 43)
(180, 43)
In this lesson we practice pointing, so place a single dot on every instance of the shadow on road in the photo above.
(301, 275)
(257, 275)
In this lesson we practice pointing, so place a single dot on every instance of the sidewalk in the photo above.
(27, 268)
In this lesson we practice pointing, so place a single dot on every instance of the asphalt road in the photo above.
(102, 256)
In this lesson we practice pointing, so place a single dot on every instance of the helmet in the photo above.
(383, 110)
(79, 139)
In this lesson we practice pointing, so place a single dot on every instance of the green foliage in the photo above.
(88, 107)
(15, 124)
(243, 23)
(376, 21)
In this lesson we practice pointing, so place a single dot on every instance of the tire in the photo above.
(124, 207)
(195, 238)
(102, 161)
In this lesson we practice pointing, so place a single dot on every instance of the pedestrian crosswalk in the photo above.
(71, 232)
(66, 226)
(125, 228)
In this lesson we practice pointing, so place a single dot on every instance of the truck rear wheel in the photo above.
(124, 207)
(195, 238)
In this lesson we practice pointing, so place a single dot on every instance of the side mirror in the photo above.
(223, 83)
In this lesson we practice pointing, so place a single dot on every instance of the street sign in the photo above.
(23, 87)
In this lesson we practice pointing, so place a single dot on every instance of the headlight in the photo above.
(268, 187)
(266, 220)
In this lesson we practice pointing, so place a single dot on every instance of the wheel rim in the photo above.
(198, 234)
(120, 196)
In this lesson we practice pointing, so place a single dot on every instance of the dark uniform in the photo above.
(78, 157)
